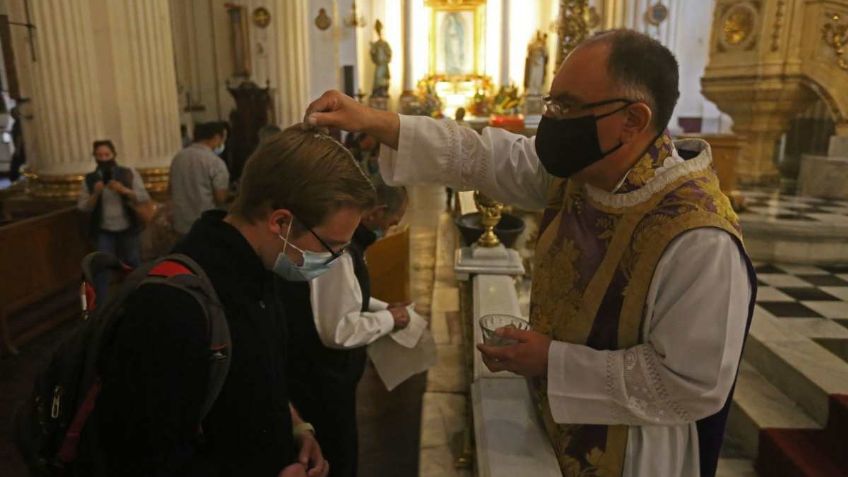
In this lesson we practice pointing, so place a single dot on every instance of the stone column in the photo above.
(145, 116)
(292, 91)
(65, 108)
(408, 80)
(103, 70)
(504, 73)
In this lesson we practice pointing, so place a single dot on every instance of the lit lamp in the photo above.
(354, 20)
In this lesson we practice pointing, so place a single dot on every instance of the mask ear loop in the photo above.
(602, 116)
(286, 240)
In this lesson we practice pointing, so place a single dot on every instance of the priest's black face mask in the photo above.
(566, 146)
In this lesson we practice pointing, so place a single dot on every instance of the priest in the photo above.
(642, 292)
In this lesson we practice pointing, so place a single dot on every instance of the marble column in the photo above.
(146, 125)
(408, 79)
(504, 73)
(292, 90)
(66, 113)
(103, 70)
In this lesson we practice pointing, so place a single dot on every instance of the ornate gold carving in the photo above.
(67, 186)
(656, 14)
(835, 35)
(155, 179)
(261, 17)
(61, 187)
(354, 20)
(323, 21)
(454, 3)
(738, 25)
(575, 22)
(778, 25)
(490, 215)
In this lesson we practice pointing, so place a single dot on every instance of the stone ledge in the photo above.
(510, 440)
(758, 405)
(804, 370)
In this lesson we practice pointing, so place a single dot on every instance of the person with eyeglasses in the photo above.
(642, 289)
(301, 199)
(334, 319)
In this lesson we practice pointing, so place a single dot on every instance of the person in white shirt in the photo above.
(642, 291)
(331, 326)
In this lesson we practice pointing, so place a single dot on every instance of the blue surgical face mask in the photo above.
(314, 263)
(219, 150)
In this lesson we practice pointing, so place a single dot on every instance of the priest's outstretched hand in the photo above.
(529, 357)
(335, 109)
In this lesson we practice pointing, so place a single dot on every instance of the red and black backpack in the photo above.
(50, 426)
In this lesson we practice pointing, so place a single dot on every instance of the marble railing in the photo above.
(508, 434)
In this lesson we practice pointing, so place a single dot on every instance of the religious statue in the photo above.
(536, 65)
(454, 35)
(381, 55)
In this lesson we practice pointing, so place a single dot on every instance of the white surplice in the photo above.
(337, 309)
(696, 308)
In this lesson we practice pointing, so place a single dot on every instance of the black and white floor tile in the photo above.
(796, 291)
(773, 205)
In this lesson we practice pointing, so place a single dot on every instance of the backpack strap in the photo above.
(182, 272)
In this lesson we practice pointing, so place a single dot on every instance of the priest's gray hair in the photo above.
(643, 70)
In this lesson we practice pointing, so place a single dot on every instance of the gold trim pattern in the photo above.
(835, 35)
(738, 26)
(58, 187)
(778, 25)
(573, 27)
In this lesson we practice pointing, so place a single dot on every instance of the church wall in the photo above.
(686, 32)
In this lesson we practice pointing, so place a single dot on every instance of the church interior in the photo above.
(763, 82)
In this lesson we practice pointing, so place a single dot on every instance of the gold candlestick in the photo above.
(490, 215)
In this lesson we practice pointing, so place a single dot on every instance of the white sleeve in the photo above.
(337, 309)
(499, 163)
(698, 309)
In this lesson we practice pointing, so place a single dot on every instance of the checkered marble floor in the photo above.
(773, 205)
(796, 291)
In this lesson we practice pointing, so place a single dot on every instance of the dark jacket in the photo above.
(121, 174)
(155, 372)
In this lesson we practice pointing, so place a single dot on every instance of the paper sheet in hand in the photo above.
(395, 363)
(409, 336)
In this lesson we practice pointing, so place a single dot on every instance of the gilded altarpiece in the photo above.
(768, 62)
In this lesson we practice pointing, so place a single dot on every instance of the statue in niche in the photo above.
(453, 31)
(381, 56)
(536, 65)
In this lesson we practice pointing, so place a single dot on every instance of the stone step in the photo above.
(799, 453)
(759, 405)
(800, 368)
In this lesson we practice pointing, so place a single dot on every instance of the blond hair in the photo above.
(304, 171)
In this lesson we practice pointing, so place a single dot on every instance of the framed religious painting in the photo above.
(456, 37)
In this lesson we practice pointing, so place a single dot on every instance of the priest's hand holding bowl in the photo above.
(527, 357)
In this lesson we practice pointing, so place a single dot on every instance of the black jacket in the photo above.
(155, 372)
(105, 174)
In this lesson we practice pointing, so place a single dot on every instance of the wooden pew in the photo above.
(388, 264)
(39, 257)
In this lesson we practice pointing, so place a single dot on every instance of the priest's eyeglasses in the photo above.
(559, 109)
